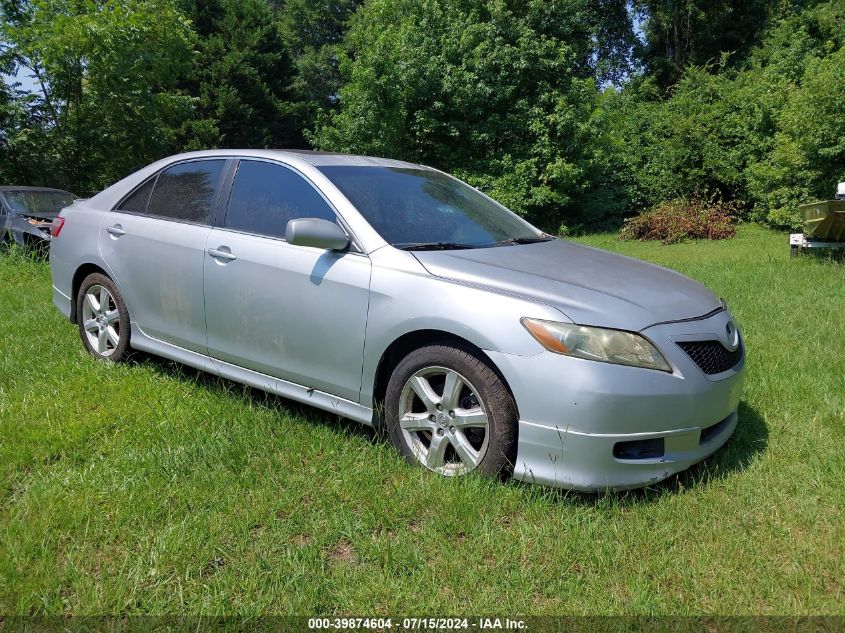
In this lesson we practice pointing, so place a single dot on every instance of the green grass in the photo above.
(151, 488)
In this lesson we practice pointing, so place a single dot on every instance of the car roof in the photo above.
(321, 159)
(8, 188)
(315, 158)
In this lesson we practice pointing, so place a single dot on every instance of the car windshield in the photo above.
(38, 201)
(425, 209)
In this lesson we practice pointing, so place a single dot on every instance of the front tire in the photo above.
(448, 410)
(103, 318)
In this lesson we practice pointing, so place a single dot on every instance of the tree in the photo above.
(617, 48)
(808, 158)
(241, 78)
(503, 93)
(698, 141)
(680, 33)
(25, 153)
(106, 72)
(6, 125)
(314, 30)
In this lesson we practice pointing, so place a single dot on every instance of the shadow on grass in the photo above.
(280, 404)
(836, 255)
(748, 441)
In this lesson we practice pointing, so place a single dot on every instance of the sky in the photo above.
(23, 77)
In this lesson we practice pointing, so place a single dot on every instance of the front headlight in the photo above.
(595, 343)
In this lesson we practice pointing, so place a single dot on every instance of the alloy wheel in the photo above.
(101, 320)
(444, 421)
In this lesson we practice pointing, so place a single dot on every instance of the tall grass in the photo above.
(151, 488)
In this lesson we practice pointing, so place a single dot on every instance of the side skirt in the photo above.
(327, 402)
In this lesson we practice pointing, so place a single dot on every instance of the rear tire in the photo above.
(447, 409)
(103, 318)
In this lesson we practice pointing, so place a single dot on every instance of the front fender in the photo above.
(406, 298)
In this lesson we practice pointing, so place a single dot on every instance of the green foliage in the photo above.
(23, 141)
(122, 83)
(505, 98)
(241, 78)
(6, 125)
(556, 109)
(679, 33)
(767, 135)
(107, 73)
(699, 141)
(808, 158)
(314, 31)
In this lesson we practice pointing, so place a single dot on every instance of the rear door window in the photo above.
(266, 196)
(185, 191)
(137, 201)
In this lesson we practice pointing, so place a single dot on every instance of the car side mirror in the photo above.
(317, 233)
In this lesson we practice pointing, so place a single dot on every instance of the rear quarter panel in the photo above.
(75, 247)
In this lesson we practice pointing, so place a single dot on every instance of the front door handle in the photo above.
(115, 230)
(219, 253)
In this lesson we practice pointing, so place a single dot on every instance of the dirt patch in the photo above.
(302, 540)
(342, 552)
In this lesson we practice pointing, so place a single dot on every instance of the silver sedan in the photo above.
(398, 296)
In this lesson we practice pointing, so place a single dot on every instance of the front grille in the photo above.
(711, 356)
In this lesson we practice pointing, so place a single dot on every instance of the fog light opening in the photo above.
(640, 449)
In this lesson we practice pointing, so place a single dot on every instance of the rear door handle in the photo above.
(115, 230)
(219, 253)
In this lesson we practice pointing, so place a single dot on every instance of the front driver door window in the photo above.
(292, 312)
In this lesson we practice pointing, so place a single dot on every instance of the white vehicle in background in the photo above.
(824, 224)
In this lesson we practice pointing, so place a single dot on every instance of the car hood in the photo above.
(590, 286)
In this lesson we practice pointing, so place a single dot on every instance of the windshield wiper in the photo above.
(433, 246)
(448, 246)
(525, 240)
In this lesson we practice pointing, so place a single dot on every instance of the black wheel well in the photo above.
(406, 344)
(78, 277)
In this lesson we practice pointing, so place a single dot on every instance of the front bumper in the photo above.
(586, 461)
(576, 415)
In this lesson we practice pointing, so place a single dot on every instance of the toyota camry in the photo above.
(398, 296)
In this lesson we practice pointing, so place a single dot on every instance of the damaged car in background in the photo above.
(27, 213)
